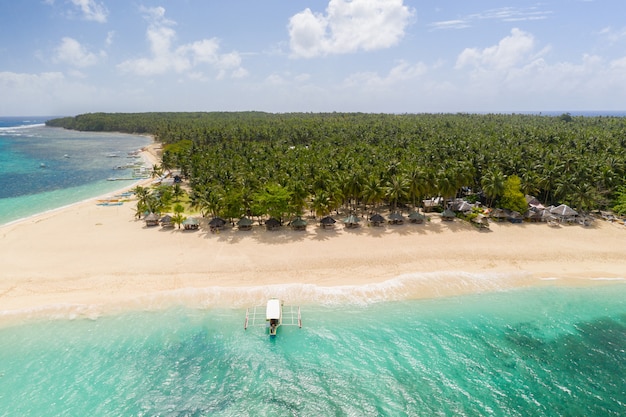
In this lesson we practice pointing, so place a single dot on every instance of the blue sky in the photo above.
(65, 57)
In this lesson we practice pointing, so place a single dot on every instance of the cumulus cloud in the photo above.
(166, 57)
(510, 51)
(71, 52)
(348, 26)
(92, 10)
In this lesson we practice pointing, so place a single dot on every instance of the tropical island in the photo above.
(283, 166)
(91, 258)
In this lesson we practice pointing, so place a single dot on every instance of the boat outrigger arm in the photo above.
(273, 315)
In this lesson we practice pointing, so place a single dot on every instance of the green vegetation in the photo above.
(285, 164)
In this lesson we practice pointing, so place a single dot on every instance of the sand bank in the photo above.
(102, 257)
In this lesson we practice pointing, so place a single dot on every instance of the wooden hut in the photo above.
(481, 221)
(216, 223)
(377, 220)
(166, 221)
(191, 223)
(244, 224)
(298, 224)
(327, 222)
(152, 220)
(448, 215)
(351, 221)
(415, 217)
(272, 224)
(396, 218)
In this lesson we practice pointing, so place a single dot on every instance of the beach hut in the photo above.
(191, 223)
(461, 206)
(245, 224)
(216, 223)
(415, 217)
(396, 218)
(351, 221)
(431, 203)
(564, 213)
(515, 217)
(327, 222)
(498, 215)
(272, 224)
(481, 221)
(448, 215)
(377, 220)
(166, 221)
(298, 223)
(152, 220)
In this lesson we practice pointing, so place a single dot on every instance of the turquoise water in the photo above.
(44, 168)
(534, 352)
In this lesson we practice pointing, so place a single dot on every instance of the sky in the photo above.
(67, 57)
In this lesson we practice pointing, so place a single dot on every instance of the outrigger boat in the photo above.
(273, 315)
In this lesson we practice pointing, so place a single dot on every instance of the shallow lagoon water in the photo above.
(529, 352)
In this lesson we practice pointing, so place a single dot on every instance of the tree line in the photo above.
(254, 163)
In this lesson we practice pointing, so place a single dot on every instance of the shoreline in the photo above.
(148, 153)
(86, 261)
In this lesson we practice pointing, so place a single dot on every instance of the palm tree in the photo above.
(396, 189)
(492, 184)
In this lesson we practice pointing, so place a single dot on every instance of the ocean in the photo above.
(551, 351)
(362, 351)
(44, 168)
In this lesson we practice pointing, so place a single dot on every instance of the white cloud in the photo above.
(503, 14)
(70, 51)
(166, 57)
(92, 10)
(509, 52)
(348, 26)
(402, 72)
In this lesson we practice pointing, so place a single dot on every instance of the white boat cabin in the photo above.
(276, 315)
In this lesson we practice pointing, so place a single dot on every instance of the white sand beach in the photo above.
(90, 255)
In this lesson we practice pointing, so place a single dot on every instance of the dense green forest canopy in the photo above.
(235, 161)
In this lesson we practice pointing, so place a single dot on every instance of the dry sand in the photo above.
(85, 259)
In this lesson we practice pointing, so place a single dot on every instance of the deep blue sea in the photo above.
(549, 351)
(552, 351)
(43, 168)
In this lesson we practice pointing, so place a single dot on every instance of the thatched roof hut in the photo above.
(151, 220)
(298, 224)
(564, 212)
(272, 224)
(377, 220)
(498, 215)
(191, 223)
(448, 215)
(327, 222)
(166, 221)
(461, 206)
(351, 221)
(396, 218)
(245, 223)
(415, 217)
(482, 221)
(217, 223)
